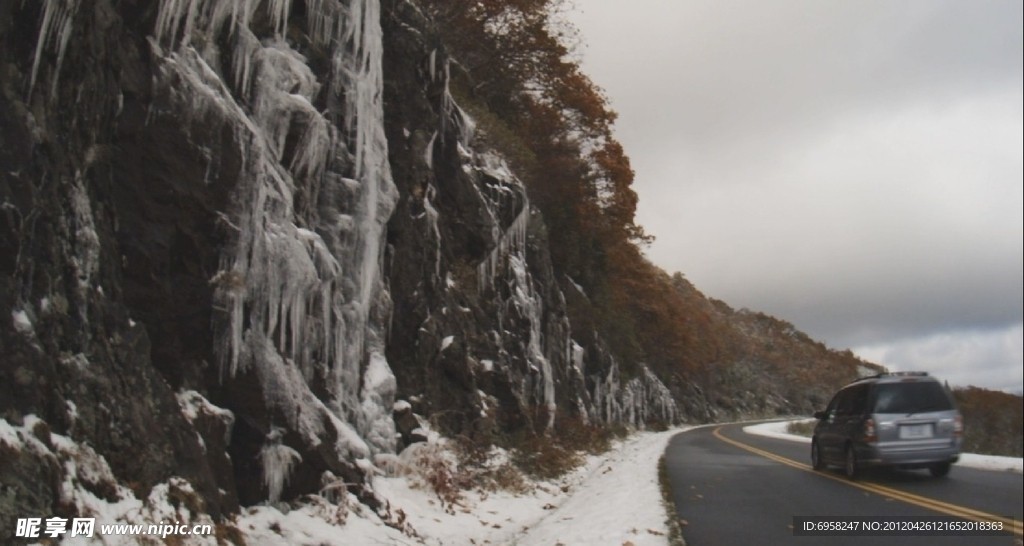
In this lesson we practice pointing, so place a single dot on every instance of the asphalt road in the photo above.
(731, 487)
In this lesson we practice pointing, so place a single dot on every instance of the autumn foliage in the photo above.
(516, 77)
(556, 125)
(993, 421)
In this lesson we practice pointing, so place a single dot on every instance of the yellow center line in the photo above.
(910, 498)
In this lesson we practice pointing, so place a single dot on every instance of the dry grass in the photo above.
(675, 528)
(801, 428)
(550, 455)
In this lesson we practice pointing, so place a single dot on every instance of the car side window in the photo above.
(842, 403)
(858, 400)
(852, 401)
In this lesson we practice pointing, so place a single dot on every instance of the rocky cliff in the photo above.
(240, 239)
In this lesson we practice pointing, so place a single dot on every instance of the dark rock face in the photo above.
(480, 329)
(229, 243)
(73, 355)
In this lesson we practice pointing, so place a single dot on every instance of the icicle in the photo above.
(246, 47)
(640, 400)
(513, 239)
(358, 67)
(277, 460)
(428, 154)
(455, 117)
(577, 352)
(172, 15)
(279, 15)
(327, 22)
(378, 394)
(313, 148)
(432, 222)
(87, 250)
(87, 242)
(531, 305)
(302, 294)
(206, 17)
(54, 31)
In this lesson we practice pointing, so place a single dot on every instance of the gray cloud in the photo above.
(852, 167)
(995, 357)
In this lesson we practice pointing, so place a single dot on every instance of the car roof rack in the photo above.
(890, 374)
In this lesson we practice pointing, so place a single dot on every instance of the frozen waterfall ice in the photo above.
(301, 289)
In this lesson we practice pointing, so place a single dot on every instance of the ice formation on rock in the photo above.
(277, 461)
(641, 400)
(54, 32)
(194, 404)
(497, 189)
(511, 242)
(504, 274)
(301, 289)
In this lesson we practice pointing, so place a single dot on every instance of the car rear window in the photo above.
(911, 397)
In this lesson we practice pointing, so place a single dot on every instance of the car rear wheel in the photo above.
(816, 460)
(939, 470)
(851, 466)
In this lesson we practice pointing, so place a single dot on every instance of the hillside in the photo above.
(750, 363)
(555, 127)
(993, 421)
(263, 247)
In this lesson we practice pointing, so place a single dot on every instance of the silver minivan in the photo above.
(905, 420)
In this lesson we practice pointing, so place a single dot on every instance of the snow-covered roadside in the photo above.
(777, 429)
(616, 501)
(613, 499)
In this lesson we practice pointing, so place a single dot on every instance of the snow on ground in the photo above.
(618, 501)
(613, 499)
(777, 429)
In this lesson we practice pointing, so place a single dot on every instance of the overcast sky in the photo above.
(853, 167)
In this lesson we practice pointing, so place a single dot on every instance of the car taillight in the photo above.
(958, 426)
(869, 431)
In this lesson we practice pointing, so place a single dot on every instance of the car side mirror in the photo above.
(819, 415)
